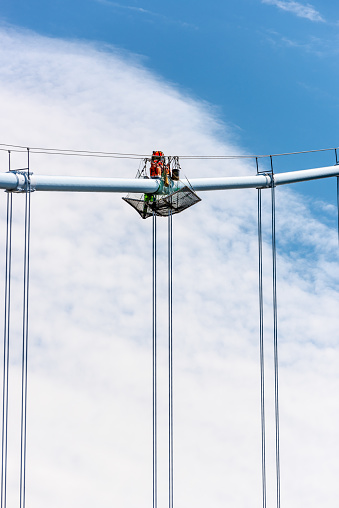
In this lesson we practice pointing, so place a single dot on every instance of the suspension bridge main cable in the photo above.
(261, 348)
(170, 358)
(154, 358)
(4, 435)
(275, 339)
(25, 337)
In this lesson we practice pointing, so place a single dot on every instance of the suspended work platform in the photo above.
(172, 195)
(176, 202)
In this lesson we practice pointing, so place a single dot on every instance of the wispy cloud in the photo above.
(321, 47)
(146, 12)
(306, 11)
(127, 7)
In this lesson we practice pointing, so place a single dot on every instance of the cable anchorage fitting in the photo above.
(23, 181)
(269, 180)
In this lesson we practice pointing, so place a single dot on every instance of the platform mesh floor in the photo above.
(177, 202)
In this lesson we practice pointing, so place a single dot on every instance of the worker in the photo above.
(157, 164)
(166, 174)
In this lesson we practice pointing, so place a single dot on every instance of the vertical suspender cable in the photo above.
(337, 163)
(262, 370)
(25, 339)
(4, 436)
(275, 341)
(154, 358)
(170, 359)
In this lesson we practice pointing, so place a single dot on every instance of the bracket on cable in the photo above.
(270, 180)
(269, 175)
(23, 178)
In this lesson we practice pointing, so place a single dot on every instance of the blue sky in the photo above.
(268, 67)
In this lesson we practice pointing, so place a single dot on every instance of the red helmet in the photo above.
(157, 153)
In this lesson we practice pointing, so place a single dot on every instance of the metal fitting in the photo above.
(24, 183)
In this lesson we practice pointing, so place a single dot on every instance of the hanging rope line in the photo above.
(154, 359)
(25, 339)
(4, 436)
(275, 339)
(261, 346)
(170, 358)
(119, 155)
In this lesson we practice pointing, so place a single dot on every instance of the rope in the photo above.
(170, 358)
(4, 436)
(254, 156)
(262, 372)
(120, 155)
(275, 341)
(74, 153)
(154, 358)
(25, 339)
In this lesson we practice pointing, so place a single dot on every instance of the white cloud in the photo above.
(301, 10)
(320, 47)
(89, 427)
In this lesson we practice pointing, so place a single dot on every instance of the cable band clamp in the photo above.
(269, 180)
(23, 181)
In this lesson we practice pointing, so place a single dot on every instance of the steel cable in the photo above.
(275, 342)
(4, 435)
(25, 340)
(170, 358)
(262, 369)
(154, 358)
(120, 155)
(338, 204)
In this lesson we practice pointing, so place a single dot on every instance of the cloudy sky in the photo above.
(200, 78)
(268, 67)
